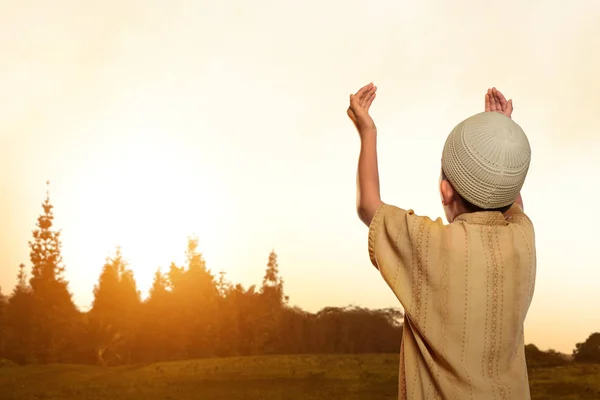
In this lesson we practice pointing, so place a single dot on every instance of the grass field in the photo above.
(276, 377)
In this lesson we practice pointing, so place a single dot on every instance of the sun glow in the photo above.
(145, 191)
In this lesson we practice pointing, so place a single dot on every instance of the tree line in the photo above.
(189, 313)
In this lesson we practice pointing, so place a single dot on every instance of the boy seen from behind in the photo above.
(465, 286)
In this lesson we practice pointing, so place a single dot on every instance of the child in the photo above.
(466, 286)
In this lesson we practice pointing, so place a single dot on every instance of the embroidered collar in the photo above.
(483, 218)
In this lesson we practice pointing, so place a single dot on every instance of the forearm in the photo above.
(516, 208)
(368, 198)
(519, 201)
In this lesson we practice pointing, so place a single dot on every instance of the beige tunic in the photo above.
(465, 288)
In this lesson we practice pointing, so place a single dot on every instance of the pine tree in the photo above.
(193, 298)
(175, 277)
(160, 286)
(115, 311)
(19, 321)
(272, 284)
(223, 285)
(228, 318)
(179, 302)
(131, 307)
(105, 302)
(200, 299)
(153, 338)
(53, 306)
(3, 305)
(45, 252)
(22, 284)
(272, 306)
(200, 280)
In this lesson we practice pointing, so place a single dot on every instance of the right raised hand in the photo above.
(495, 101)
(359, 109)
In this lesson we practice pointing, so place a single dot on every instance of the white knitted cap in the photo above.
(486, 158)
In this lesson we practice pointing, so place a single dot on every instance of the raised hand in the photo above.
(359, 108)
(495, 101)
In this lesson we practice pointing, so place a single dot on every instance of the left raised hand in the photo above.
(495, 101)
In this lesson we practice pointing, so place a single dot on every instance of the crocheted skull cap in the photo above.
(486, 158)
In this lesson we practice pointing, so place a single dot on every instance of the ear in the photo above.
(447, 192)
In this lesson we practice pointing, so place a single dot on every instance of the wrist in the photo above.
(367, 133)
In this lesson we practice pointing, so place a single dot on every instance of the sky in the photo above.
(227, 120)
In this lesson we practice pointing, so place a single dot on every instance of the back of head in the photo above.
(486, 159)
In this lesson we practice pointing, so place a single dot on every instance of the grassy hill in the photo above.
(275, 377)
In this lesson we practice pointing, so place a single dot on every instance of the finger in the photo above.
(353, 102)
(509, 108)
(363, 90)
(487, 102)
(371, 98)
(365, 100)
(362, 99)
(370, 93)
(490, 97)
(501, 99)
(493, 105)
(365, 96)
(351, 114)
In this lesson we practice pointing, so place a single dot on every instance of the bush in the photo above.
(4, 363)
(538, 358)
(588, 351)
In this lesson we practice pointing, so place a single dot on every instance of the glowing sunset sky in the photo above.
(227, 119)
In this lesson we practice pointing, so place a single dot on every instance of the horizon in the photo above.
(229, 123)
